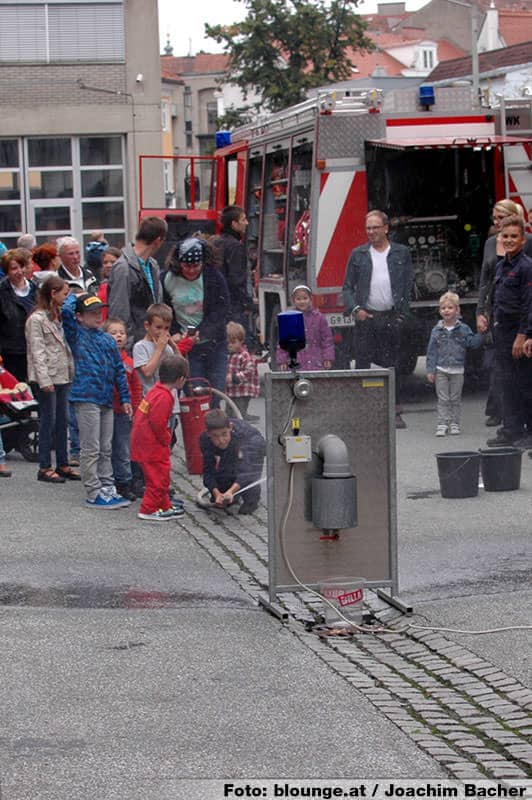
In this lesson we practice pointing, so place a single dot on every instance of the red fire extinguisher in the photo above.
(195, 402)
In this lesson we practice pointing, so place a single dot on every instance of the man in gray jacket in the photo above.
(134, 283)
(376, 290)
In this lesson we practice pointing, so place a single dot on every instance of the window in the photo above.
(62, 31)
(428, 58)
(164, 116)
(100, 150)
(49, 152)
(102, 183)
(51, 186)
(10, 194)
(212, 116)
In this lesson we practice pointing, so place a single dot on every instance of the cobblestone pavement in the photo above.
(466, 713)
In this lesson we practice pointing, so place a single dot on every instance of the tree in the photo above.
(283, 48)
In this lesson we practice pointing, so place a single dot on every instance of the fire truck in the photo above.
(308, 175)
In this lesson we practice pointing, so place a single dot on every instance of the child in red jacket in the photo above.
(150, 440)
(120, 457)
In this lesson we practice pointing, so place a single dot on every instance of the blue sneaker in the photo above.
(107, 501)
(177, 508)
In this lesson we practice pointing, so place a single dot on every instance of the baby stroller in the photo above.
(19, 423)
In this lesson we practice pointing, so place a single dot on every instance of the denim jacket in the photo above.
(448, 348)
(358, 278)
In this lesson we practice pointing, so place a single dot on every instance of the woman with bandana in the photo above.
(198, 295)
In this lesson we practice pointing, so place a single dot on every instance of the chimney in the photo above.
(492, 28)
(391, 9)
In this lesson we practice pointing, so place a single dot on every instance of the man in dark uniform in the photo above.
(512, 304)
(232, 260)
(377, 287)
(233, 454)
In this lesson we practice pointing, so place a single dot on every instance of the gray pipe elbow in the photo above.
(333, 451)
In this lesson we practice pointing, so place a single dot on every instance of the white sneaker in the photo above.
(158, 516)
(455, 429)
(441, 430)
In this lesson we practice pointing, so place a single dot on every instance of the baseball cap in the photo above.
(89, 302)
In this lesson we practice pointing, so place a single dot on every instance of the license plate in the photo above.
(340, 321)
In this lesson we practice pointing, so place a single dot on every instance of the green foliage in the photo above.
(234, 117)
(283, 48)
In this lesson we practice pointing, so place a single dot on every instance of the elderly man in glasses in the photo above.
(376, 290)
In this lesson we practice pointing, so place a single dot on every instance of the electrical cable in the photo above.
(363, 628)
(360, 628)
(473, 633)
(287, 423)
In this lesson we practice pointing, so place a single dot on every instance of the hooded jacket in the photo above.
(130, 293)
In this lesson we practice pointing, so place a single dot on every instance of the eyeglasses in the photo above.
(374, 227)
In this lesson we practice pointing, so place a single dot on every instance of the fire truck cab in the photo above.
(308, 175)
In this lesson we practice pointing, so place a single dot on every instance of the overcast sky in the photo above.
(186, 28)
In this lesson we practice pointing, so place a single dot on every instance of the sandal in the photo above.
(68, 473)
(49, 475)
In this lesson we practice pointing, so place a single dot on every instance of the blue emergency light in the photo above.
(223, 138)
(291, 334)
(426, 97)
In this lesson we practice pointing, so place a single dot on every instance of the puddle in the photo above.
(89, 596)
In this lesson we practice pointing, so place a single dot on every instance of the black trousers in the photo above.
(516, 383)
(377, 342)
(494, 398)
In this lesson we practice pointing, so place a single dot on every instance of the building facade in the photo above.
(80, 100)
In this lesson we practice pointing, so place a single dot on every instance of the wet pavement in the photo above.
(136, 655)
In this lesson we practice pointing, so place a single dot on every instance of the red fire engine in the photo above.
(308, 175)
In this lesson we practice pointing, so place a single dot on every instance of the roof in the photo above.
(491, 60)
(448, 50)
(366, 63)
(515, 26)
(383, 22)
(200, 64)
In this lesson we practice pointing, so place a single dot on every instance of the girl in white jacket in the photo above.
(50, 366)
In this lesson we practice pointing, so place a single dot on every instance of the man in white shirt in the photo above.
(376, 290)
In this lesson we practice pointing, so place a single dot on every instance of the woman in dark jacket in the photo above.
(17, 300)
(198, 295)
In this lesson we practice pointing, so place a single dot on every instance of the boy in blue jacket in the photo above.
(446, 354)
(98, 369)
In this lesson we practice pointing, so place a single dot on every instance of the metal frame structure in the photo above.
(358, 406)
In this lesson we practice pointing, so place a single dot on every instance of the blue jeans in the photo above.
(73, 430)
(53, 416)
(120, 454)
(210, 363)
(2, 451)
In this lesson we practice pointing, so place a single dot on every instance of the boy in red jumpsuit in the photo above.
(150, 440)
